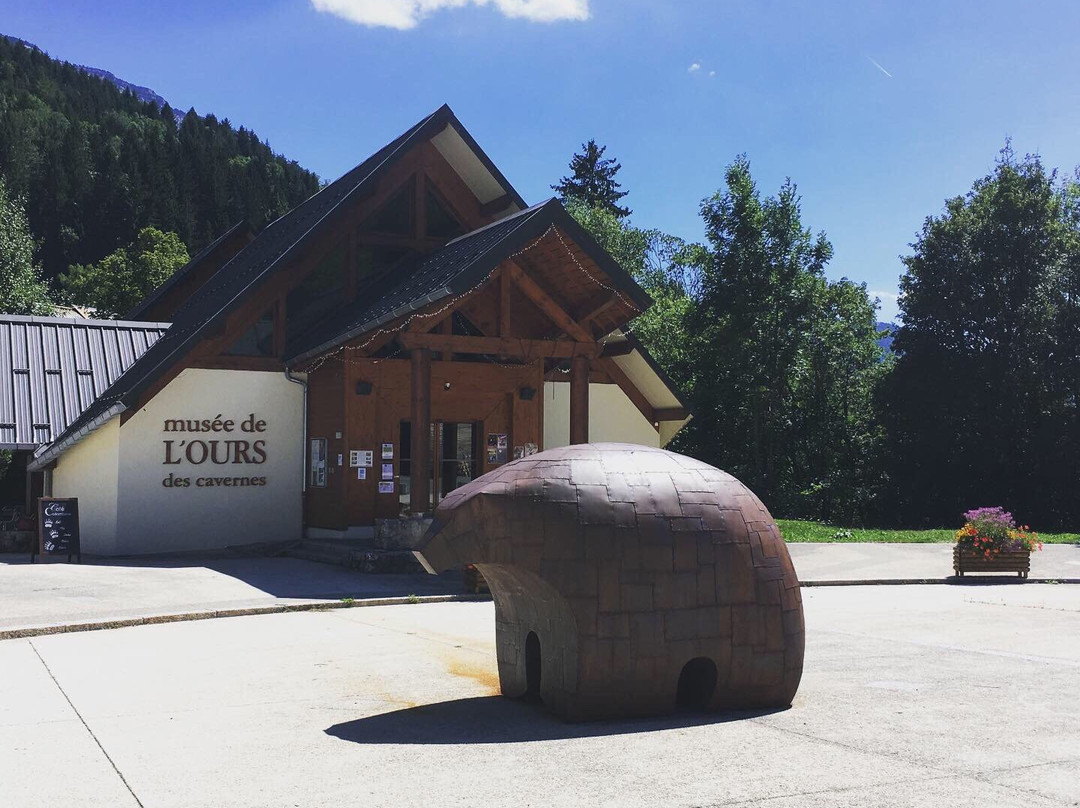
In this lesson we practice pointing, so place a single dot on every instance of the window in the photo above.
(257, 340)
(396, 216)
(317, 294)
(440, 223)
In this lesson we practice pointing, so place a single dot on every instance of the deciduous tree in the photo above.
(123, 278)
(982, 408)
(781, 363)
(22, 291)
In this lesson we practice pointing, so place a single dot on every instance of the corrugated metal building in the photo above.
(53, 368)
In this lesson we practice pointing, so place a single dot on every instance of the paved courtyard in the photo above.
(915, 695)
(40, 595)
(54, 593)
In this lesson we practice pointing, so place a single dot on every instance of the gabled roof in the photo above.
(54, 368)
(643, 371)
(460, 266)
(186, 271)
(274, 246)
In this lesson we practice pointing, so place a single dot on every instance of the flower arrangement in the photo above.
(992, 531)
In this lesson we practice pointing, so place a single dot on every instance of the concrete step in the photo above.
(358, 555)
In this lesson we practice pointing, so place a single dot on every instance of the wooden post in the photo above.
(579, 399)
(421, 429)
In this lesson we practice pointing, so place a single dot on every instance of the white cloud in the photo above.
(712, 73)
(694, 68)
(406, 14)
(888, 310)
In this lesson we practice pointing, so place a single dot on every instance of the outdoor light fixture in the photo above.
(527, 393)
(363, 388)
(446, 386)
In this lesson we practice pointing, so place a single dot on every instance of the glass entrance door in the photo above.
(453, 452)
(456, 455)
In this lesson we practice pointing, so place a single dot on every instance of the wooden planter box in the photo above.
(967, 560)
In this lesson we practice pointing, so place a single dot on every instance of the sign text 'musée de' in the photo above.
(216, 449)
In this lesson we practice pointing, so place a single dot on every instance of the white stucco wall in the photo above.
(89, 470)
(253, 493)
(612, 417)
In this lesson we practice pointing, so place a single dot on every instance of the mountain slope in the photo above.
(886, 341)
(95, 164)
(140, 92)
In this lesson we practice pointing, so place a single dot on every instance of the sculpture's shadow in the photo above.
(495, 719)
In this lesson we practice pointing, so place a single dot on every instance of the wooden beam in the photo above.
(496, 205)
(630, 389)
(607, 304)
(546, 303)
(460, 199)
(579, 400)
(419, 208)
(671, 413)
(516, 347)
(618, 348)
(420, 426)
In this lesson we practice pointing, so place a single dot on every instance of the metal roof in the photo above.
(53, 368)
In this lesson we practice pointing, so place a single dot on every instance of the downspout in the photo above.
(303, 431)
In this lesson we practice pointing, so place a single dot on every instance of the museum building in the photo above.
(412, 325)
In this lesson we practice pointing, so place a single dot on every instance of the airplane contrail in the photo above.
(879, 67)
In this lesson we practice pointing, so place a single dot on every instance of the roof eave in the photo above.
(51, 451)
(170, 282)
(414, 305)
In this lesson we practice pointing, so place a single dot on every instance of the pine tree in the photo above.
(592, 180)
(96, 165)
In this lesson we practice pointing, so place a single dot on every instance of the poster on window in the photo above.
(318, 463)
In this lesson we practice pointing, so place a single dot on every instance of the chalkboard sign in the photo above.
(58, 527)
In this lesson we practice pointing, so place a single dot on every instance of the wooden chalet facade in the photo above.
(411, 326)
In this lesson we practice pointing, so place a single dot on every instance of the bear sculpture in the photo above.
(627, 581)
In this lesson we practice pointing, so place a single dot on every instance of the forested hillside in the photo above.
(95, 164)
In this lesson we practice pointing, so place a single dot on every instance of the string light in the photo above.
(341, 354)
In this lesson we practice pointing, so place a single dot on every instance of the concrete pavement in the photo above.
(855, 561)
(37, 598)
(912, 696)
(102, 590)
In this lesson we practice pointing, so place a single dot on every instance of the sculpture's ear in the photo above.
(433, 551)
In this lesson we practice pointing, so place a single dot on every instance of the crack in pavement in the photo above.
(82, 720)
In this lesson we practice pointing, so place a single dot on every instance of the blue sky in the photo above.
(874, 148)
